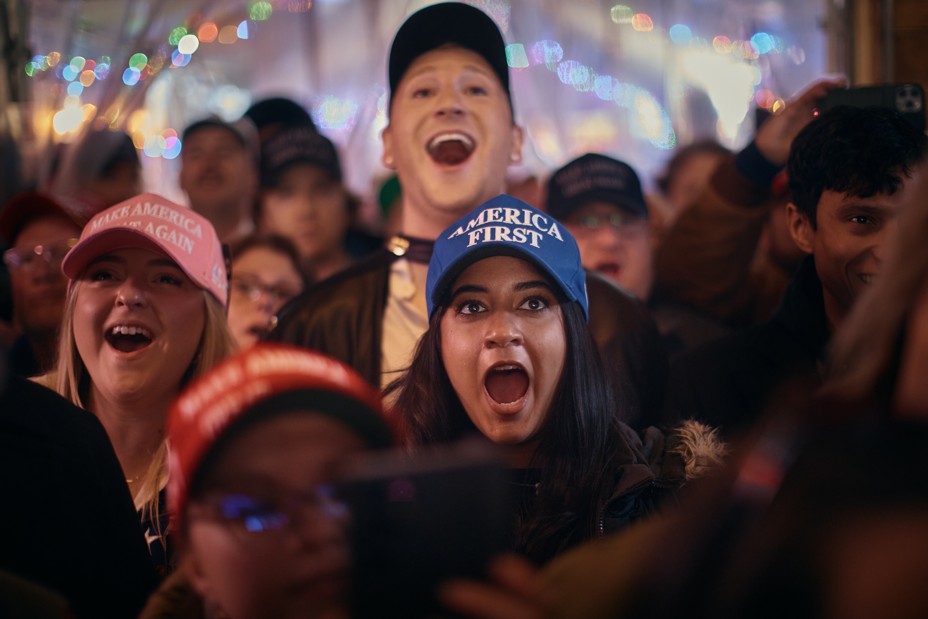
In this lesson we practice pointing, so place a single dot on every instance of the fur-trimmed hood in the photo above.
(699, 446)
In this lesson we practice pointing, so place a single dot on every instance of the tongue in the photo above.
(451, 152)
(507, 386)
(129, 343)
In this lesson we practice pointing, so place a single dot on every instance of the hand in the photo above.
(775, 136)
(513, 592)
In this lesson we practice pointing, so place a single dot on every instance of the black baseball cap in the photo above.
(447, 23)
(594, 178)
(293, 145)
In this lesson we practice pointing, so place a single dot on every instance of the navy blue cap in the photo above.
(506, 226)
(594, 178)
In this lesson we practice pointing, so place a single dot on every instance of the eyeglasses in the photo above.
(253, 515)
(624, 223)
(29, 257)
(253, 289)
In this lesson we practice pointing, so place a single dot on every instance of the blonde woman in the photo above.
(145, 313)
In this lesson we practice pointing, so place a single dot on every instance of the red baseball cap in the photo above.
(260, 381)
(27, 207)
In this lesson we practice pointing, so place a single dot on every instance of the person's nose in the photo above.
(318, 525)
(502, 330)
(449, 103)
(266, 302)
(131, 294)
(608, 237)
(883, 239)
(46, 269)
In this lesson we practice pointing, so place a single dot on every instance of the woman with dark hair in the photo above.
(509, 354)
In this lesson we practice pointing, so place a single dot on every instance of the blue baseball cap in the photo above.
(506, 226)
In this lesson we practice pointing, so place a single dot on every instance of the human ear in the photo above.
(387, 158)
(518, 136)
(800, 228)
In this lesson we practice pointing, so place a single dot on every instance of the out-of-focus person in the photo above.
(68, 523)
(271, 114)
(219, 174)
(688, 172)
(262, 532)
(39, 232)
(101, 169)
(265, 275)
(304, 199)
(599, 199)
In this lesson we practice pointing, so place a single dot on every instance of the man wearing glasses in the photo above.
(599, 200)
(39, 232)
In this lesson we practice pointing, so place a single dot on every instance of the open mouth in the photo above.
(258, 331)
(126, 338)
(506, 384)
(450, 149)
(609, 269)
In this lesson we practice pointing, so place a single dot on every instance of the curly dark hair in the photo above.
(856, 151)
(580, 442)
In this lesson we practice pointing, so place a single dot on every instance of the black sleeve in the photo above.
(68, 521)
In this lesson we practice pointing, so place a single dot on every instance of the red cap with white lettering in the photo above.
(264, 380)
(149, 221)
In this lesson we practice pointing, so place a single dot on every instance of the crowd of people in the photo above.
(708, 402)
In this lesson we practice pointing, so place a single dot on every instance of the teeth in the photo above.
(127, 330)
(867, 279)
(449, 137)
(505, 368)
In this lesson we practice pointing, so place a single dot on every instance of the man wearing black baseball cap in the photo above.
(599, 200)
(450, 139)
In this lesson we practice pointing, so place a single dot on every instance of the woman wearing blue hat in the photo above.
(509, 354)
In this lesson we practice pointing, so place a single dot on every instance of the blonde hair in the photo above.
(73, 383)
(866, 350)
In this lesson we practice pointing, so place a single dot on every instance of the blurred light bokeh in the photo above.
(633, 79)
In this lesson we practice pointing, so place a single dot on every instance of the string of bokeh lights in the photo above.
(650, 122)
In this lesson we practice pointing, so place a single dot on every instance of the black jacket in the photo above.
(728, 383)
(67, 520)
(343, 317)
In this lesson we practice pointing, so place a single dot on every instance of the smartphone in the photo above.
(418, 521)
(907, 99)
